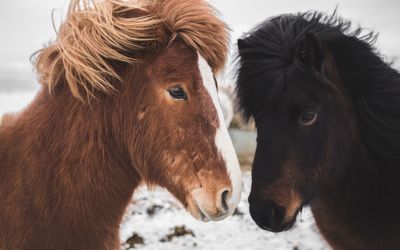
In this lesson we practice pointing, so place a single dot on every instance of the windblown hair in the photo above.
(97, 35)
(270, 57)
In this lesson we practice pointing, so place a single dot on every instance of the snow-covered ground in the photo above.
(158, 220)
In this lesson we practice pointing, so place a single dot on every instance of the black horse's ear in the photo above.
(242, 44)
(310, 51)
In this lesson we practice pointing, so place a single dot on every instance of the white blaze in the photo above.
(223, 141)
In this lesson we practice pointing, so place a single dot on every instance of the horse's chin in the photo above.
(194, 209)
(279, 228)
(198, 214)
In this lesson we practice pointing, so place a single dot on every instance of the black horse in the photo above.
(327, 112)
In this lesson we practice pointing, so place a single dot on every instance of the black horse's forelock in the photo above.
(268, 51)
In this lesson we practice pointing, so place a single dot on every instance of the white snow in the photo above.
(236, 232)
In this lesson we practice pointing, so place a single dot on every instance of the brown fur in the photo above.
(6, 119)
(68, 169)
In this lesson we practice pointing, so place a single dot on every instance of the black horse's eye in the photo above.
(177, 93)
(308, 118)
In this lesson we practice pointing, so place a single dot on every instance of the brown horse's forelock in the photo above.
(98, 34)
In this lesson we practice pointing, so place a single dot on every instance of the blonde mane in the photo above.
(97, 34)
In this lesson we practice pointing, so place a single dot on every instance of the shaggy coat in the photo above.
(124, 100)
(327, 111)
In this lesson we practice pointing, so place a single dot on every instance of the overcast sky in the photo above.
(26, 25)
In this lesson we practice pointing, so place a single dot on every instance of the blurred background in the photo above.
(157, 220)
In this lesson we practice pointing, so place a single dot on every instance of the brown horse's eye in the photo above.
(177, 93)
(308, 118)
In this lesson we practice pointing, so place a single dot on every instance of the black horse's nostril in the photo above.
(270, 211)
(277, 214)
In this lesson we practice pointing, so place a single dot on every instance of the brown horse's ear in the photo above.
(310, 51)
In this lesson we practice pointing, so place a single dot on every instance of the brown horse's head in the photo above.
(181, 141)
(153, 66)
(289, 84)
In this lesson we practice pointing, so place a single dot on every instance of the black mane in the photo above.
(266, 54)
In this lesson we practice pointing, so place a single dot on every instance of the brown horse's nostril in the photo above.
(224, 198)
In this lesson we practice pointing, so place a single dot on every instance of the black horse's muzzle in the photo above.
(270, 216)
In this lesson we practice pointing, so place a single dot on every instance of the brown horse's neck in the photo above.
(61, 159)
(365, 201)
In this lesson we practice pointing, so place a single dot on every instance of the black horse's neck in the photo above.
(364, 197)
(367, 184)
(364, 200)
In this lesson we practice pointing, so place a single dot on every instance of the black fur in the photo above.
(346, 165)
(269, 51)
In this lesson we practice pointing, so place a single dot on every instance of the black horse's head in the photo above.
(293, 79)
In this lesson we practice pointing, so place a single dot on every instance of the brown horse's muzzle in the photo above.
(217, 193)
(215, 198)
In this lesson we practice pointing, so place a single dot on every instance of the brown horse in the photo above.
(327, 111)
(128, 96)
